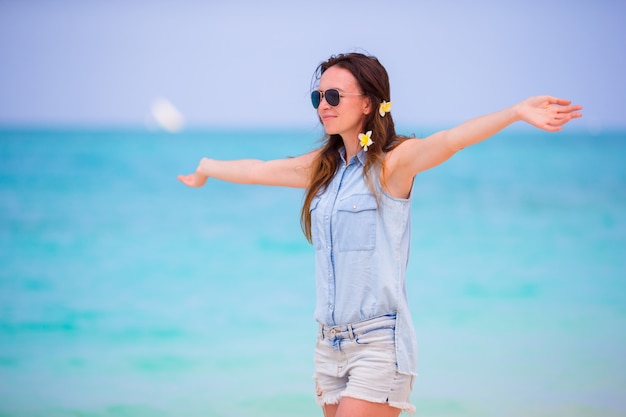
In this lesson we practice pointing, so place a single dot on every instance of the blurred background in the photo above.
(123, 293)
(248, 63)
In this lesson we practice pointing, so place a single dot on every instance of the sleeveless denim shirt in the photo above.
(361, 254)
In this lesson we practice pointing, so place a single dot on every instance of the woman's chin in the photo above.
(330, 131)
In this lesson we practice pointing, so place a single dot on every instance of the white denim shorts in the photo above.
(359, 361)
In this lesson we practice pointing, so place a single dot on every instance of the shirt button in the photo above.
(354, 207)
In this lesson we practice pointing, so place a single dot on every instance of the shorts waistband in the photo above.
(349, 331)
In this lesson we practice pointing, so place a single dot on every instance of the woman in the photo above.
(356, 213)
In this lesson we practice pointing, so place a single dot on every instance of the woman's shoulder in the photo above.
(401, 145)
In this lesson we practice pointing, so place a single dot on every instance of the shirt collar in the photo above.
(360, 156)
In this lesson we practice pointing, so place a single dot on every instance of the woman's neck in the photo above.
(351, 144)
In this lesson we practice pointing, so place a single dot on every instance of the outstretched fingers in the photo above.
(561, 115)
(564, 106)
(552, 112)
(192, 180)
(572, 111)
(558, 101)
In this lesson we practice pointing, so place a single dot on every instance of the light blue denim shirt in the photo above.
(362, 250)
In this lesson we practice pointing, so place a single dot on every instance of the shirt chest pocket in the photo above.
(356, 223)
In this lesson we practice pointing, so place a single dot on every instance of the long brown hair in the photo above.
(373, 80)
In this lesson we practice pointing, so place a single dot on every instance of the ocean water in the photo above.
(124, 293)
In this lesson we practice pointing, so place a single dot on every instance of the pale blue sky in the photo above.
(249, 63)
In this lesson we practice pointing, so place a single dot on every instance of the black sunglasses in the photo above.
(331, 95)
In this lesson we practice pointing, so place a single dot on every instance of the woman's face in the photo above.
(346, 118)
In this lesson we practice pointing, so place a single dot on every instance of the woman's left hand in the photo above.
(548, 113)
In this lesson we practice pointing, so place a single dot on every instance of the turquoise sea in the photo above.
(124, 293)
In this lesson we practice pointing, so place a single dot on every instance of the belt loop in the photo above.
(321, 335)
(350, 332)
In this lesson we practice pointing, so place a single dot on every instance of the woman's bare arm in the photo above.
(415, 156)
(288, 172)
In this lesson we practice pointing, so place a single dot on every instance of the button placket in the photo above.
(328, 223)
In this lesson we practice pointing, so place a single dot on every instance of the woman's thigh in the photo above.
(350, 407)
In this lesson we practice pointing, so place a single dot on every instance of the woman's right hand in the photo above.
(193, 180)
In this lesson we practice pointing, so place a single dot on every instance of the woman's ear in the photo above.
(367, 105)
